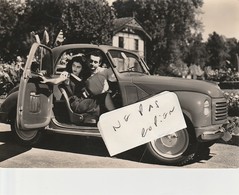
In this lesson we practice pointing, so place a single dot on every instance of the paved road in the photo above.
(64, 151)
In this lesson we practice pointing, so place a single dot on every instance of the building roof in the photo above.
(121, 23)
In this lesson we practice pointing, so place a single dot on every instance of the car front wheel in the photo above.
(29, 137)
(175, 149)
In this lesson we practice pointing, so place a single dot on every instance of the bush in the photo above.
(233, 102)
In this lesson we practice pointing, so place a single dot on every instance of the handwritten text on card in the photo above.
(142, 122)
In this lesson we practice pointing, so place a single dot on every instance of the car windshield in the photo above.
(127, 62)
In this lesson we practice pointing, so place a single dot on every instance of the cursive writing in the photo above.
(145, 131)
(157, 119)
(117, 127)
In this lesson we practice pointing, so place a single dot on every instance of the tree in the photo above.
(45, 14)
(18, 21)
(88, 21)
(8, 22)
(125, 8)
(233, 51)
(169, 23)
(217, 50)
(85, 21)
(196, 52)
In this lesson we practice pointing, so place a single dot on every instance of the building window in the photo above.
(121, 42)
(136, 44)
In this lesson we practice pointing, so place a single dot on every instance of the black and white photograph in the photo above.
(143, 93)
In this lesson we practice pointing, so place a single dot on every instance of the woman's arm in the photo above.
(64, 75)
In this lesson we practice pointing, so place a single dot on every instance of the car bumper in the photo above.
(209, 133)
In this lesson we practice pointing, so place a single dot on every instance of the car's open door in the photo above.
(34, 106)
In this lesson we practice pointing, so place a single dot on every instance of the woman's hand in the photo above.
(44, 79)
(64, 75)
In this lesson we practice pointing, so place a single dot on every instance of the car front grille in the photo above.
(219, 108)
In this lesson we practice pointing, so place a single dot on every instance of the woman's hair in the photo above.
(85, 72)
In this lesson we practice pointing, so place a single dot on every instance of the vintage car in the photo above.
(35, 107)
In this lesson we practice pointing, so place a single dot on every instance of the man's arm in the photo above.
(108, 73)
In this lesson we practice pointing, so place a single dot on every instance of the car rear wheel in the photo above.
(31, 137)
(175, 149)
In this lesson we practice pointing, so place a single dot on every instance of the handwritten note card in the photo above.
(142, 122)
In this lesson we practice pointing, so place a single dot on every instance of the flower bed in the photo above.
(231, 92)
(232, 97)
(221, 75)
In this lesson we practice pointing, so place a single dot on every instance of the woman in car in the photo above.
(74, 82)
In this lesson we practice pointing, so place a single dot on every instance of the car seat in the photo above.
(76, 118)
(109, 105)
(105, 102)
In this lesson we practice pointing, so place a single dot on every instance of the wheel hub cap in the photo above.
(169, 140)
(173, 145)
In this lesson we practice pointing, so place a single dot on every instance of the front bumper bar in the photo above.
(212, 135)
(214, 132)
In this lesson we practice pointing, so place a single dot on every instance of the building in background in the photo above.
(129, 34)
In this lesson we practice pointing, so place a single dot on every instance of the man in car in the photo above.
(97, 83)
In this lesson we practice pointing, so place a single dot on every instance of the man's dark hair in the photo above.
(97, 53)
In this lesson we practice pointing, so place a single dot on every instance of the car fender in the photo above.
(9, 104)
(192, 106)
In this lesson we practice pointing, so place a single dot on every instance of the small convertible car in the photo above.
(34, 107)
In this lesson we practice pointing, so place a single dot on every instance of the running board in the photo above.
(57, 127)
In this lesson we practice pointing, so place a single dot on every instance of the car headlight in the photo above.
(206, 108)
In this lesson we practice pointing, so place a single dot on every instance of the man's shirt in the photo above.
(97, 82)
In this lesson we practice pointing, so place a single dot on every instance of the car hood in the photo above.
(155, 84)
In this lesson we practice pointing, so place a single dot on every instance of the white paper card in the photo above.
(140, 123)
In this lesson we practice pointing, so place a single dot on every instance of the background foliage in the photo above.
(176, 49)
(173, 25)
(176, 34)
(88, 22)
(85, 21)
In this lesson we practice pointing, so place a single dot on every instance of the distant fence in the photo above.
(229, 85)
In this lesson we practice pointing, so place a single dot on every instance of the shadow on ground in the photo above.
(89, 146)
(9, 148)
(234, 141)
(86, 145)
(95, 146)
